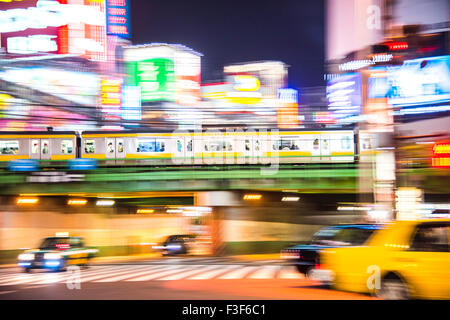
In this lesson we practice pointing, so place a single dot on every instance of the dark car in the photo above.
(56, 253)
(306, 257)
(176, 244)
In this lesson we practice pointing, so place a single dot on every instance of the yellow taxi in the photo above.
(408, 259)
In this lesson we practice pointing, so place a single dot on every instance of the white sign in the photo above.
(49, 14)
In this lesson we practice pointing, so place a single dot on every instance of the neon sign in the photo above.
(118, 18)
(441, 155)
(358, 64)
(246, 83)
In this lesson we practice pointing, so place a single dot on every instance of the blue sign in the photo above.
(420, 82)
(82, 164)
(344, 95)
(23, 165)
(118, 18)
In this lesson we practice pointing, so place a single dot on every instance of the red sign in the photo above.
(441, 155)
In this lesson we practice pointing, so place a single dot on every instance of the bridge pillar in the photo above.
(218, 200)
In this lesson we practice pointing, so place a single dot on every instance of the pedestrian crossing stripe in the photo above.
(167, 272)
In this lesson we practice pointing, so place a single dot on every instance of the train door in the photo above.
(110, 148)
(40, 149)
(316, 148)
(189, 147)
(325, 146)
(35, 149)
(252, 149)
(248, 148)
(120, 148)
(257, 149)
(179, 149)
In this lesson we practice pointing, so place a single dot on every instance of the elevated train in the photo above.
(185, 146)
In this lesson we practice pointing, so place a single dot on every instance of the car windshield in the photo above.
(59, 243)
(178, 238)
(342, 236)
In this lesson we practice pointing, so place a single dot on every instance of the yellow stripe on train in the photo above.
(13, 157)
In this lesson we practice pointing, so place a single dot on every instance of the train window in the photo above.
(324, 144)
(189, 145)
(119, 145)
(9, 147)
(286, 144)
(179, 145)
(316, 144)
(247, 145)
(66, 146)
(151, 145)
(89, 146)
(45, 146)
(110, 145)
(218, 145)
(35, 146)
(256, 145)
(345, 143)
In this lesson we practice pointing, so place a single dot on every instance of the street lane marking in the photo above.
(238, 274)
(213, 273)
(126, 270)
(131, 274)
(290, 272)
(266, 272)
(37, 278)
(181, 275)
(171, 269)
(5, 292)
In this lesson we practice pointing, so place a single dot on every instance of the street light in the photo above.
(27, 200)
(77, 202)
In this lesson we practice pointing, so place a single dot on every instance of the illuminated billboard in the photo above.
(118, 18)
(245, 89)
(111, 98)
(164, 72)
(155, 77)
(344, 95)
(78, 87)
(64, 27)
(263, 78)
(420, 82)
(287, 115)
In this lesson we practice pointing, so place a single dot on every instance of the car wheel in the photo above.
(308, 272)
(27, 270)
(62, 268)
(301, 269)
(393, 288)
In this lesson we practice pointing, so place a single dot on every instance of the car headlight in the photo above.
(26, 256)
(52, 256)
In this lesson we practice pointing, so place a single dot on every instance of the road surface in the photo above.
(174, 278)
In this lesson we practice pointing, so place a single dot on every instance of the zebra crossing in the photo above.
(152, 272)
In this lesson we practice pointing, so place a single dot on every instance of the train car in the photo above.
(39, 145)
(220, 147)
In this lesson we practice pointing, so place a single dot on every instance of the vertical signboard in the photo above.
(118, 18)
(111, 98)
(287, 116)
(187, 72)
(131, 103)
(345, 96)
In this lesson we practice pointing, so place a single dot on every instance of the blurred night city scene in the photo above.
(226, 150)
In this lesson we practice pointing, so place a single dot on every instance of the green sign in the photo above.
(156, 77)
